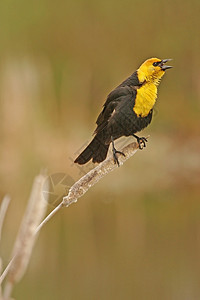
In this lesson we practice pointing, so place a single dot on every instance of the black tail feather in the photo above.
(96, 150)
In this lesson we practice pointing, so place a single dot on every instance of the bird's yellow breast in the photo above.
(145, 99)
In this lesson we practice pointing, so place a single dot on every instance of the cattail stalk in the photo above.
(80, 187)
(36, 208)
(3, 210)
(26, 236)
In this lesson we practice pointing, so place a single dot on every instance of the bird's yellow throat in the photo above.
(145, 99)
(146, 94)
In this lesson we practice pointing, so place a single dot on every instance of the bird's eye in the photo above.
(155, 64)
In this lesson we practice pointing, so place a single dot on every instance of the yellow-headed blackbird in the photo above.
(127, 110)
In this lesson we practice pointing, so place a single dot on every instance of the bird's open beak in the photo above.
(165, 67)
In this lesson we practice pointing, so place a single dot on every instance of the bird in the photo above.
(127, 110)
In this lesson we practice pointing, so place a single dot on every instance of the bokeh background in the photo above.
(135, 235)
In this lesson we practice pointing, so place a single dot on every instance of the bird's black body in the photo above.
(116, 119)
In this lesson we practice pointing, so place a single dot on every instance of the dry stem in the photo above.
(3, 210)
(26, 237)
(80, 188)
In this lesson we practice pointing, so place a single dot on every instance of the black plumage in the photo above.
(116, 119)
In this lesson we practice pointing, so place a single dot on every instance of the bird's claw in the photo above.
(142, 142)
(115, 156)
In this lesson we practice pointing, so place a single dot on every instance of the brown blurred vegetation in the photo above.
(136, 235)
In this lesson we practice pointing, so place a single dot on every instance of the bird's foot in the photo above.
(141, 141)
(115, 152)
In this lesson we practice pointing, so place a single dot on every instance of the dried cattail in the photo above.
(3, 210)
(92, 177)
(35, 211)
(26, 237)
(80, 187)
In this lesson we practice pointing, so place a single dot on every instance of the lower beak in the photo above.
(165, 67)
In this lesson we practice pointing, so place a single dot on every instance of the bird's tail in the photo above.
(96, 150)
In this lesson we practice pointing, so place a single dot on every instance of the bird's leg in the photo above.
(141, 141)
(115, 152)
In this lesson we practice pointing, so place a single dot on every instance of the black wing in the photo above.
(114, 99)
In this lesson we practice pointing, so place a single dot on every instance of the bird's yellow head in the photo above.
(152, 70)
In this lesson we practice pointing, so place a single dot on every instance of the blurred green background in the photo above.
(135, 235)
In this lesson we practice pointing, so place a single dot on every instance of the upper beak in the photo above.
(165, 67)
